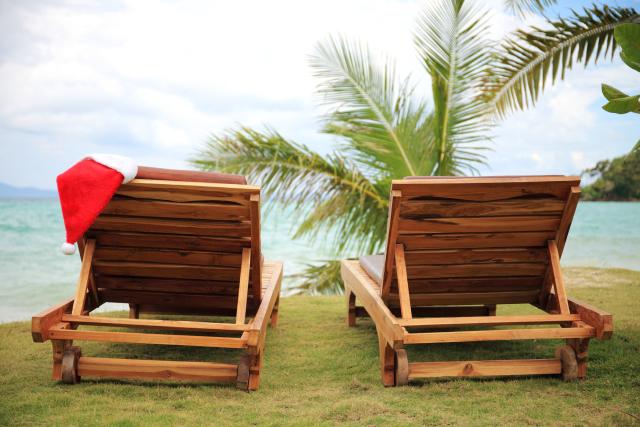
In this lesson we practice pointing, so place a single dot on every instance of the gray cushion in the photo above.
(374, 266)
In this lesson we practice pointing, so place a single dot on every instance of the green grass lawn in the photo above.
(320, 372)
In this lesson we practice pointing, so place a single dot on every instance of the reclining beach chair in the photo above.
(458, 246)
(171, 242)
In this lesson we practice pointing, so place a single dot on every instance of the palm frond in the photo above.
(528, 58)
(321, 279)
(521, 7)
(328, 194)
(452, 45)
(380, 123)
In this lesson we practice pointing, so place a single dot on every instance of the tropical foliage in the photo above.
(628, 37)
(617, 179)
(385, 130)
(530, 58)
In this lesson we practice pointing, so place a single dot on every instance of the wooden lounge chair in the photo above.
(456, 247)
(172, 242)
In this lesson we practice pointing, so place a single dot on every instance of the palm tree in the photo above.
(384, 131)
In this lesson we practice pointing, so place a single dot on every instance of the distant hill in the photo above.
(10, 192)
(617, 179)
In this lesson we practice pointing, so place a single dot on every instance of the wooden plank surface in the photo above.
(476, 284)
(476, 270)
(171, 271)
(466, 256)
(173, 325)
(498, 335)
(142, 338)
(171, 241)
(164, 209)
(186, 286)
(450, 208)
(167, 256)
(449, 298)
(475, 240)
(478, 224)
(156, 369)
(535, 319)
(171, 226)
(484, 368)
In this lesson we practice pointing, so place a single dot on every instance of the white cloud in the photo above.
(153, 79)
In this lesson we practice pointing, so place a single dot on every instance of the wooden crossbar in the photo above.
(403, 282)
(490, 320)
(498, 335)
(83, 280)
(243, 289)
(481, 368)
(162, 369)
(556, 277)
(59, 332)
(172, 325)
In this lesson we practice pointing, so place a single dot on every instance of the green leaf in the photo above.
(524, 60)
(628, 37)
(623, 105)
(611, 92)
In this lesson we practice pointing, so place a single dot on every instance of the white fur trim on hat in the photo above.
(126, 166)
(68, 248)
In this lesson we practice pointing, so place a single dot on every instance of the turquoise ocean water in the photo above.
(34, 274)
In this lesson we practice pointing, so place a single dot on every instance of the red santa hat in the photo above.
(86, 188)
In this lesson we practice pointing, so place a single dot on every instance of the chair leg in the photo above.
(248, 378)
(59, 347)
(274, 314)
(387, 362)
(134, 311)
(351, 307)
(491, 309)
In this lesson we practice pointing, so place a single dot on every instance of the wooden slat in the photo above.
(403, 284)
(172, 271)
(169, 325)
(183, 196)
(156, 369)
(272, 279)
(189, 186)
(169, 226)
(163, 209)
(171, 241)
(83, 281)
(476, 284)
(478, 225)
(170, 299)
(243, 288)
(475, 240)
(498, 335)
(487, 189)
(536, 319)
(166, 256)
(392, 234)
(448, 298)
(476, 270)
(449, 208)
(467, 256)
(187, 286)
(484, 368)
(43, 321)
(142, 338)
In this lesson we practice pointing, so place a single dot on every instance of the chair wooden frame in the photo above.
(62, 324)
(405, 319)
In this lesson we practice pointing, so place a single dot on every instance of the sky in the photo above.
(153, 80)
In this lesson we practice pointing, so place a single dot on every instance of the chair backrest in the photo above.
(481, 240)
(175, 244)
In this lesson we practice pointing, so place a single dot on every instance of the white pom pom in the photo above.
(68, 248)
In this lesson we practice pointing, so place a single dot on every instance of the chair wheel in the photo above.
(402, 367)
(70, 365)
(569, 362)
